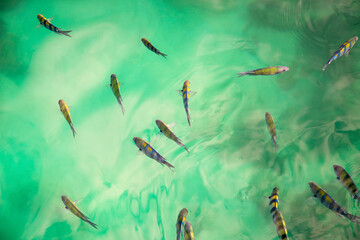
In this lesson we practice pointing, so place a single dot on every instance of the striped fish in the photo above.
(65, 111)
(265, 71)
(343, 49)
(280, 225)
(271, 128)
(346, 181)
(46, 23)
(274, 200)
(189, 233)
(328, 202)
(165, 129)
(180, 222)
(150, 152)
(115, 86)
(75, 210)
(186, 94)
(152, 48)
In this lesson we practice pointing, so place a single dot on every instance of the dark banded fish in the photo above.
(186, 94)
(346, 181)
(165, 129)
(274, 200)
(271, 128)
(150, 152)
(75, 210)
(343, 49)
(46, 23)
(330, 203)
(188, 231)
(152, 48)
(180, 222)
(265, 71)
(280, 225)
(115, 86)
(65, 111)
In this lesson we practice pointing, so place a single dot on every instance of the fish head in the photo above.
(356, 38)
(188, 227)
(113, 77)
(144, 40)
(267, 116)
(338, 170)
(159, 123)
(61, 102)
(313, 186)
(284, 69)
(186, 83)
(137, 141)
(275, 191)
(184, 212)
(64, 198)
(39, 17)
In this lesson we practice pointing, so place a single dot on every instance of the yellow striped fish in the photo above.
(186, 94)
(330, 203)
(180, 222)
(280, 225)
(189, 234)
(265, 71)
(65, 111)
(165, 129)
(150, 152)
(343, 49)
(152, 48)
(346, 181)
(75, 210)
(46, 23)
(271, 128)
(274, 200)
(115, 86)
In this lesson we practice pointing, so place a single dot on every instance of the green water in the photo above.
(232, 166)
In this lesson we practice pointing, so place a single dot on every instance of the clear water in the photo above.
(232, 166)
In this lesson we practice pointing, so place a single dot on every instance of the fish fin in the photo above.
(50, 19)
(169, 165)
(91, 223)
(242, 74)
(140, 152)
(64, 33)
(39, 26)
(66, 207)
(180, 92)
(110, 84)
(192, 93)
(171, 125)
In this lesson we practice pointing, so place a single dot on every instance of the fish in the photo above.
(279, 222)
(150, 152)
(265, 71)
(75, 210)
(343, 49)
(347, 181)
(65, 111)
(186, 94)
(180, 222)
(330, 203)
(165, 129)
(46, 23)
(152, 48)
(274, 200)
(115, 86)
(189, 234)
(271, 128)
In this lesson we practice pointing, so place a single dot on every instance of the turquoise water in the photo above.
(232, 166)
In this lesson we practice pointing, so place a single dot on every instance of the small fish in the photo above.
(189, 234)
(274, 200)
(328, 202)
(343, 49)
(169, 134)
(46, 23)
(279, 222)
(150, 152)
(271, 128)
(186, 94)
(266, 71)
(152, 48)
(65, 111)
(74, 209)
(115, 86)
(346, 181)
(180, 222)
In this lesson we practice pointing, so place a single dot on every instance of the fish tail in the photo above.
(325, 66)
(275, 144)
(73, 129)
(163, 54)
(91, 223)
(183, 145)
(178, 234)
(121, 105)
(188, 117)
(242, 74)
(353, 218)
(65, 33)
(169, 165)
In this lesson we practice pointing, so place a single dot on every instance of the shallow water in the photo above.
(232, 166)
